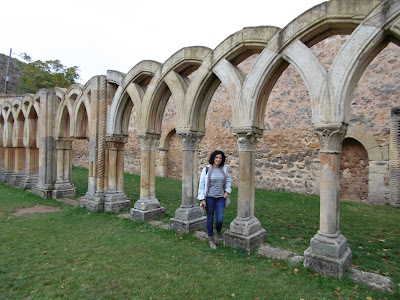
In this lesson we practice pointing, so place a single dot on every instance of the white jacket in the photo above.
(203, 184)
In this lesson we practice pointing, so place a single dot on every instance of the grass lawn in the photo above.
(76, 254)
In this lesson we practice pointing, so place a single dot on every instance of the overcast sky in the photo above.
(101, 35)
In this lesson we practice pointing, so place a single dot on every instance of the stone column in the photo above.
(31, 168)
(328, 252)
(394, 158)
(147, 207)
(245, 230)
(115, 199)
(189, 216)
(46, 142)
(9, 159)
(2, 166)
(63, 186)
(19, 166)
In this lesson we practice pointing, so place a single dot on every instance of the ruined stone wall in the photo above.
(287, 155)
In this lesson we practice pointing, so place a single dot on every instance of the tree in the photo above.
(38, 74)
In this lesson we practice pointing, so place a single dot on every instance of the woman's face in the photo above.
(217, 160)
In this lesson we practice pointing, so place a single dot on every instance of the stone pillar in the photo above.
(189, 216)
(19, 166)
(394, 158)
(115, 199)
(162, 167)
(46, 178)
(147, 207)
(9, 160)
(63, 186)
(328, 252)
(245, 230)
(95, 196)
(2, 166)
(31, 168)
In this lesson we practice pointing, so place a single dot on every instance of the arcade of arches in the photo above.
(308, 108)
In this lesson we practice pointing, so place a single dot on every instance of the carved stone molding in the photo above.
(247, 141)
(191, 140)
(149, 141)
(116, 142)
(331, 137)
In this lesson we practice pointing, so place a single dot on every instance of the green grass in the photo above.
(76, 254)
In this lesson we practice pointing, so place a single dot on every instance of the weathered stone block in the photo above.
(145, 215)
(186, 226)
(334, 267)
(235, 240)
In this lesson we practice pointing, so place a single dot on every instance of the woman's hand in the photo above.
(203, 203)
(226, 195)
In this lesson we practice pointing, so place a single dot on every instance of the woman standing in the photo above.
(214, 190)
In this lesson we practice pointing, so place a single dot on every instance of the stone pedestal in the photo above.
(328, 255)
(146, 209)
(16, 179)
(116, 201)
(188, 219)
(29, 181)
(245, 233)
(93, 202)
(63, 190)
(44, 191)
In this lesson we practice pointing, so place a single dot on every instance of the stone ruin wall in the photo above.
(287, 155)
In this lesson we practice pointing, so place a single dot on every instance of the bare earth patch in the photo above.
(36, 209)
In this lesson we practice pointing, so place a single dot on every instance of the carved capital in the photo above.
(191, 140)
(116, 142)
(247, 141)
(331, 137)
(149, 141)
(64, 144)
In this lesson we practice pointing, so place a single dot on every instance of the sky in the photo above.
(101, 35)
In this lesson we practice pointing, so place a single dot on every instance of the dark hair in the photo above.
(214, 154)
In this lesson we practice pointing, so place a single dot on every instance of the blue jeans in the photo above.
(217, 205)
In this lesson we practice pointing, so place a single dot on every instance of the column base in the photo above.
(245, 233)
(63, 189)
(235, 240)
(116, 202)
(328, 255)
(93, 203)
(188, 219)
(16, 179)
(146, 215)
(29, 182)
(7, 176)
(44, 192)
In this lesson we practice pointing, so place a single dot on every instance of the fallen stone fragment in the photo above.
(375, 281)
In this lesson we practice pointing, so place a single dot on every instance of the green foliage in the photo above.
(38, 74)
(75, 254)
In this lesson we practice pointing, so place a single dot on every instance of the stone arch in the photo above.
(81, 119)
(9, 157)
(291, 45)
(378, 165)
(221, 66)
(163, 152)
(170, 78)
(353, 170)
(130, 93)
